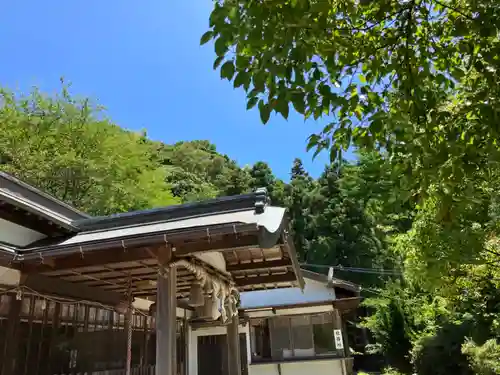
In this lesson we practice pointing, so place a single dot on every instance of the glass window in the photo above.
(323, 327)
(260, 339)
(281, 345)
(300, 336)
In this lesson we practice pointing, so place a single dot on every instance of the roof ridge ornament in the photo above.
(261, 200)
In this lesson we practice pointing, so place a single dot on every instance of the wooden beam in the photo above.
(185, 285)
(87, 259)
(338, 304)
(111, 255)
(292, 252)
(269, 279)
(103, 274)
(57, 287)
(224, 243)
(259, 265)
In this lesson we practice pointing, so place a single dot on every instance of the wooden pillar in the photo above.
(233, 347)
(129, 327)
(339, 324)
(12, 337)
(53, 337)
(172, 315)
(166, 328)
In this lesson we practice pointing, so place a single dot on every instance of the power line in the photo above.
(378, 271)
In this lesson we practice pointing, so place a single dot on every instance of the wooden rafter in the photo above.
(258, 265)
(57, 287)
(268, 279)
(121, 255)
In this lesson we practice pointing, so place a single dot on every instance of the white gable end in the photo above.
(16, 235)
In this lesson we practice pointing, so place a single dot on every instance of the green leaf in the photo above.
(299, 76)
(317, 74)
(227, 70)
(206, 37)
(333, 154)
(313, 141)
(282, 107)
(233, 13)
(252, 102)
(328, 128)
(298, 103)
(242, 62)
(220, 46)
(265, 112)
(259, 80)
(376, 126)
(373, 97)
(217, 62)
(241, 79)
(324, 90)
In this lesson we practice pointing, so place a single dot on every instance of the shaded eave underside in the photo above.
(343, 304)
(41, 209)
(107, 266)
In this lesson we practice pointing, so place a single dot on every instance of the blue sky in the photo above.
(143, 62)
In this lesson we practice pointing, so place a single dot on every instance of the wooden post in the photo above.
(86, 365)
(233, 347)
(172, 294)
(145, 343)
(339, 323)
(12, 336)
(166, 328)
(53, 336)
(129, 329)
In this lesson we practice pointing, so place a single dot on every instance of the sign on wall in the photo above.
(339, 343)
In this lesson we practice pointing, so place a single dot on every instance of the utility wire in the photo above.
(378, 271)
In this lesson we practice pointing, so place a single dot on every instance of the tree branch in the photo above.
(454, 10)
(360, 28)
(409, 21)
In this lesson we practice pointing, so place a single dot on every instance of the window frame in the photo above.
(334, 321)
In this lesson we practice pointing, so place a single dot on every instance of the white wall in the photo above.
(9, 277)
(17, 235)
(314, 291)
(315, 367)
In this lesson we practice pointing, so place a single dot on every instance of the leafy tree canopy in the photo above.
(418, 78)
(65, 147)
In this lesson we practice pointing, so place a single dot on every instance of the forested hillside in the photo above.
(69, 149)
(432, 275)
